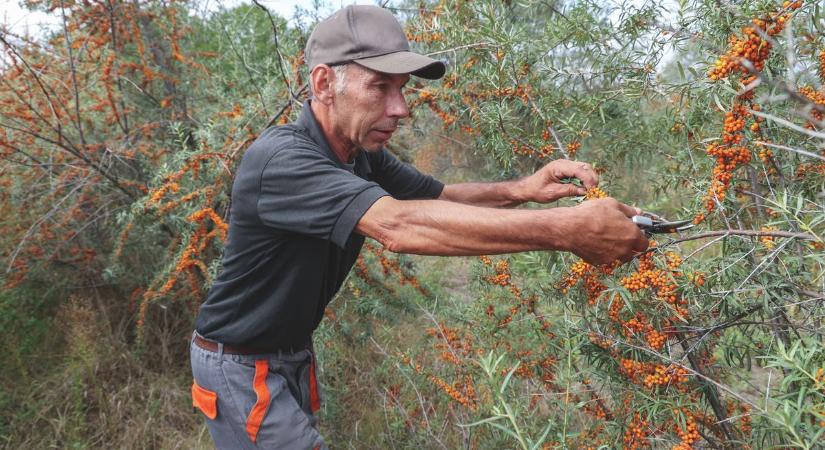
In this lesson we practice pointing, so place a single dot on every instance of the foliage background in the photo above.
(121, 129)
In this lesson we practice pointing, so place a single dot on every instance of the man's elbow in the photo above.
(385, 222)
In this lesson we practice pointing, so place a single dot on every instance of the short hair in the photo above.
(340, 76)
(340, 71)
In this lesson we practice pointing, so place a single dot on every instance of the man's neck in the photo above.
(345, 153)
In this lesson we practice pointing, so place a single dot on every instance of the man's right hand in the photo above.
(604, 232)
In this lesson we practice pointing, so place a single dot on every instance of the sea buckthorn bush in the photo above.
(122, 128)
(708, 114)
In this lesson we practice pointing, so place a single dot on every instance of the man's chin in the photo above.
(373, 147)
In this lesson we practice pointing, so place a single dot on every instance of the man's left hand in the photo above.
(546, 184)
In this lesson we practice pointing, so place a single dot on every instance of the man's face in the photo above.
(366, 112)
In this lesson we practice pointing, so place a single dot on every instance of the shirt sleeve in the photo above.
(402, 180)
(302, 191)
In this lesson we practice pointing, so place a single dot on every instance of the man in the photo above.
(305, 196)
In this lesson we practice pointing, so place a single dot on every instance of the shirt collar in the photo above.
(307, 121)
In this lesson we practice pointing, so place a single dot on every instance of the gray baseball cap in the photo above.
(371, 37)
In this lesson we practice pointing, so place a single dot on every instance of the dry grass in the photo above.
(103, 394)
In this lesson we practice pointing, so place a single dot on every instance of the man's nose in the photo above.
(397, 106)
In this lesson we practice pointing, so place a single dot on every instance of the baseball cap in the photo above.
(372, 37)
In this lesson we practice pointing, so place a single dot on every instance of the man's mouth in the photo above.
(385, 133)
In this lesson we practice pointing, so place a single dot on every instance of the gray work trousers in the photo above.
(264, 401)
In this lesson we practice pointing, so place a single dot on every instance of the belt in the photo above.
(212, 346)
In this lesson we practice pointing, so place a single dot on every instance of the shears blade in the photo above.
(652, 224)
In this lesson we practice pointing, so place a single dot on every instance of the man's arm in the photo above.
(544, 186)
(599, 231)
(503, 194)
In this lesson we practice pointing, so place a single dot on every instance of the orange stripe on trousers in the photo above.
(256, 416)
(314, 398)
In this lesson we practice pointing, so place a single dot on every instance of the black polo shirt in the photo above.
(291, 242)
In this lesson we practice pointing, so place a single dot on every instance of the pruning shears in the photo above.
(652, 224)
(648, 222)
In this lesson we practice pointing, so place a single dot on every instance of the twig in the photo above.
(735, 232)
(461, 47)
(417, 393)
(37, 222)
(277, 49)
(711, 393)
(114, 180)
(39, 83)
(788, 124)
(74, 75)
(791, 149)
(245, 66)
(125, 124)
(286, 106)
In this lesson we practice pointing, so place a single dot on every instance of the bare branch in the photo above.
(73, 71)
(278, 50)
(735, 232)
(791, 149)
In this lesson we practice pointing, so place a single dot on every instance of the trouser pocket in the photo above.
(205, 400)
(270, 416)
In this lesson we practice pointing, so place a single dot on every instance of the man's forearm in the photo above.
(433, 227)
(503, 194)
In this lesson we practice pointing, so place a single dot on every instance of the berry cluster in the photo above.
(729, 156)
(768, 241)
(594, 193)
(636, 435)
(591, 277)
(520, 148)
(521, 91)
(451, 344)
(752, 47)
(462, 391)
(502, 278)
(805, 169)
(390, 266)
(818, 98)
(746, 56)
(648, 276)
(429, 98)
(822, 66)
(689, 435)
(742, 410)
(666, 376)
(573, 147)
(428, 25)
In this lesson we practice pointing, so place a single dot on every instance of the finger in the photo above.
(586, 173)
(567, 190)
(573, 190)
(642, 243)
(629, 211)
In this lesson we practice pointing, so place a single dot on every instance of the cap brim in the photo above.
(405, 62)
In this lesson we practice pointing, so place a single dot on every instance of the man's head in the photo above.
(371, 37)
(359, 107)
(359, 62)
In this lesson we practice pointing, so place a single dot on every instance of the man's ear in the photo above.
(321, 78)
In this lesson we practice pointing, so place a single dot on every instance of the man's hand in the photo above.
(604, 232)
(546, 184)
